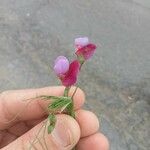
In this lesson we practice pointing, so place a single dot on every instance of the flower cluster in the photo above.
(68, 72)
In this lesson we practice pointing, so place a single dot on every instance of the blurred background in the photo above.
(116, 80)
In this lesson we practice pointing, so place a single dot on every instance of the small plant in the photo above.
(68, 74)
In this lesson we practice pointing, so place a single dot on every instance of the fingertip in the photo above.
(66, 132)
(97, 142)
(88, 122)
(104, 141)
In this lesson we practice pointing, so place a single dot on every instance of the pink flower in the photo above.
(66, 73)
(61, 65)
(87, 51)
(71, 76)
(84, 49)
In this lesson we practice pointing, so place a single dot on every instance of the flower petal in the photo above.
(61, 65)
(80, 42)
(71, 76)
(86, 51)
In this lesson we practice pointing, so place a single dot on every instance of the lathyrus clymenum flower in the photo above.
(66, 72)
(84, 49)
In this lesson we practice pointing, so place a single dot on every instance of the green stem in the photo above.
(66, 91)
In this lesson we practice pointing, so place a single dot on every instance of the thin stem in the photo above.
(66, 91)
(81, 65)
(74, 92)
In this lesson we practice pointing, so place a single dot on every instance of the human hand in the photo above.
(19, 133)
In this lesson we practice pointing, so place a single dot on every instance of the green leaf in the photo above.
(54, 97)
(60, 103)
(52, 122)
(70, 109)
(45, 97)
(50, 129)
(52, 119)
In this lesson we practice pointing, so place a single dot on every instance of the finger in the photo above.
(65, 136)
(12, 103)
(88, 122)
(96, 142)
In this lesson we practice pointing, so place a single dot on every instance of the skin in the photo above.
(17, 133)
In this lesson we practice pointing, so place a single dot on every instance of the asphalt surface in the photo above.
(116, 80)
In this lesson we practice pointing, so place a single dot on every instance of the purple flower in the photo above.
(66, 72)
(61, 66)
(80, 42)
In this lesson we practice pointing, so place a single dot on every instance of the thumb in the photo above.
(64, 137)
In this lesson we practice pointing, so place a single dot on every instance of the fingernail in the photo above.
(62, 134)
